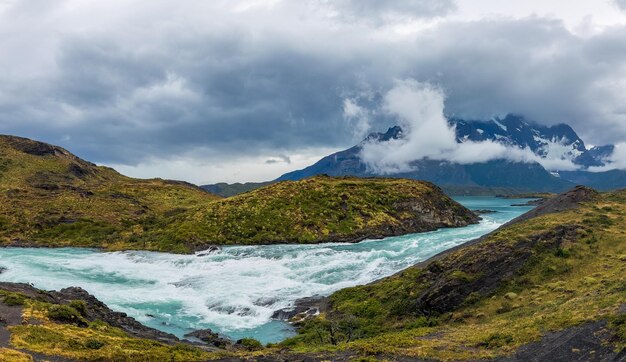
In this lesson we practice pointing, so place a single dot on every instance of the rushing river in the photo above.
(235, 290)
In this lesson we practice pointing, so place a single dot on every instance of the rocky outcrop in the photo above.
(565, 201)
(94, 310)
(209, 337)
(303, 309)
(586, 342)
(484, 269)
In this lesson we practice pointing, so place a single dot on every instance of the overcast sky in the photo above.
(245, 90)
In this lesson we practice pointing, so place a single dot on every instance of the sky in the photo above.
(245, 90)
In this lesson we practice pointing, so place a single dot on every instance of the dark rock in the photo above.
(79, 171)
(211, 338)
(34, 147)
(482, 212)
(565, 201)
(303, 309)
(95, 310)
(492, 266)
(586, 342)
(531, 203)
(211, 249)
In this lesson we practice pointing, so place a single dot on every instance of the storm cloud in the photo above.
(221, 81)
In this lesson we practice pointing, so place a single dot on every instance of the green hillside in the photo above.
(50, 197)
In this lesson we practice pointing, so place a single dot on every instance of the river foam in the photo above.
(235, 290)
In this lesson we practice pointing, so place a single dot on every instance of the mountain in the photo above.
(493, 177)
(555, 142)
(52, 198)
(499, 176)
(548, 286)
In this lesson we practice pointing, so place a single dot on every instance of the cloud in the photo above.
(278, 159)
(125, 82)
(621, 4)
(383, 11)
(357, 117)
(419, 108)
(617, 160)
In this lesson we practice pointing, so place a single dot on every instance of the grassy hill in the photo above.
(320, 209)
(50, 197)
(552, 283)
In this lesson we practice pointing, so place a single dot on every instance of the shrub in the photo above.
(562, 253)
(66, 314)
(496, 340)
(80, 306)
(505, 307)
(250, 344)
(94, 344)
(14, 299)
(619, 324)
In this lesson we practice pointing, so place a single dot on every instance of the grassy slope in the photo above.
(50, 197)
(63, 330)
(574, 271)
(320, 209)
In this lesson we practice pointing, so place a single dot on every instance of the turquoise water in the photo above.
(235, 290)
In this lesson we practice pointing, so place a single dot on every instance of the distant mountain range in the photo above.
(493, 177)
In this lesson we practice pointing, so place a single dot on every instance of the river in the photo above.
(235, 290)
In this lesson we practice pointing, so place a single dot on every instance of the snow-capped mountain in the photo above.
(556, 142)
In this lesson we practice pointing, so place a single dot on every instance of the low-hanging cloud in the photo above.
(419, 108)
(616, 160)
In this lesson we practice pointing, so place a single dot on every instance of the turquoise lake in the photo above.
(235, 290)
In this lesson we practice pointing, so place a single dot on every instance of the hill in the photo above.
(50, 197)
(321, 209)
(226, 190)
(548, 286)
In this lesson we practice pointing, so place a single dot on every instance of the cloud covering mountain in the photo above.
(205, 89)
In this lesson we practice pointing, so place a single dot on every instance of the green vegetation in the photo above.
(50, 197)
(250, 344)
(561, 269)
(315, 210)
(60, 330)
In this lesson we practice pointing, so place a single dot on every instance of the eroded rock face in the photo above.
(484, 269)
(209, 337)
(95, 309)
(586, 342)
(34, 147)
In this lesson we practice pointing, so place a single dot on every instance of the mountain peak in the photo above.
(394, 132)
